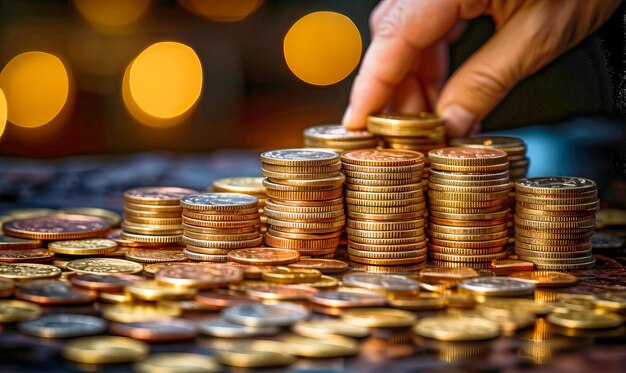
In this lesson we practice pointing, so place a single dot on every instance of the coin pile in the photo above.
(554, 221)
(468, 197)
(305, 205)
(335, 137)
(420, 132)
(152, 214)
(252, 186)
(215, 223)
(518, 162)
(385, 206)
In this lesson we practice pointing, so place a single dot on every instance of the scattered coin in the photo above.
(91, 246)
(104, 266)
(18, 310)
(63, 326)
(166, 330)
(378, 317)
(259, 314)
(53, 292)
(498, 286)
(105, 350)
(177, 362)
(57, 227)
(225, 329)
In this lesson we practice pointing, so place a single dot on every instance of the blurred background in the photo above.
(128, 78)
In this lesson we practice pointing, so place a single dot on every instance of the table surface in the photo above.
(100, 182)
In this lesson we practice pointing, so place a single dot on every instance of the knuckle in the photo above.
(488, 84)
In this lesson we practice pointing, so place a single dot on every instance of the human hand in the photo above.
(405, 66)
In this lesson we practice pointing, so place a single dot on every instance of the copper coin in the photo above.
(57, 227)
(116, 235)
(223, 298)
(152, 268)
(157, 195)
(26, 256)
(160, 255)
(53, 292)
(7, 242)
(199, 275)
(322, 265)
(108, 283)
(264, 256)
(349, 298)
(165, 330)
(382, 157)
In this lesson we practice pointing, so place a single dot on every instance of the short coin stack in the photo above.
(215, 223)
(152, 214)
(385, 206)
(518, 162)
(336, 137)
(554, 222)
(468, 198)
(305, 205)
(252, 186)
(420, 132)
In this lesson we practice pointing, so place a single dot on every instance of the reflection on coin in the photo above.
(129, 312)
(104, 266)
(109, 215)
(17, 310)
(26, 255)
(247, 185)
(498, 286)
(8, 242)
(349, 298)
(108, 283)
(177, 362)
(255, 354)
(218, 201)
(327, 347)
(588, 319)
(299, 157)
(329, 327)
(264, 256)
(381, 282)
(57, 227)
(165, 330)
(53, 292)
(63, 326)
(457, 328)
(322, 265)
(226, 329)
(199, 275)
(28, 271)
(91, 246)
(105, 350)
(160, 255)
(259, 314)
(546, 278)
(378, 317)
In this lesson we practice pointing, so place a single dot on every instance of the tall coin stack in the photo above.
(215, 223)
(252, 186)
(421, 132)
(554, 222)
(518, 162)
(385, 206)
(468, 201)
(304, 200)
(335, 137)
(152, 214)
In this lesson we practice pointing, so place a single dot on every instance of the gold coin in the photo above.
(585, 319)
(109, 215)
(105, 350)
(421, 124)
(467, 197)
(152, 290)
(384, 190)
(229, 224)
(291, 275)
(457, 251)
(305, 217)
(302, 169)
(90, 246)
(552, 236)
(277, 207)
(384, 203)
(325, 227)
(329, 327)
(438, 275)
(564, 266)
(206, 250)
(254, 354)
(469, 244)
(467, 258)
(546, 278)
(495, 168)
(30, 213)
(386, 241)
(201, 257)
(297, 244)
(151, 255)
(385, 216)
(385, 225)
(151, 230)
(387, 262)
(416, 245)
(130, 312)
(611, 301)
(199, 275)
(246, 214)
(157, 195)
(560, 253)
(496, 203)
(382, 157)
(306, 195)
(103, 266)
(503, 186)
(158, 209)
(421, 302)
(28, 271)
(331, 346)
(245, 185)
(154, 222)
(177, 362)
(130, 213)
(17, 310)
(218, 244)
(457, 328)
(466, 230)
(378, 317)
(161, 239)
(475, 212)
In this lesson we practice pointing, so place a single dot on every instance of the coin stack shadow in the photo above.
(252, 186)
(385, 206)
(554, 222)
(215, 223)
(152, 215)
(518, 163)
(305, 205)
(335, 137)
(420, 132)
(468, 199)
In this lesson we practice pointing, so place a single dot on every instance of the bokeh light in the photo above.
(3, 112)
(222, 10)
(162, 85)
(36, 85)
(323, 48)
(111, 13)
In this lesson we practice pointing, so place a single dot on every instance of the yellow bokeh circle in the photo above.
(323, 48)
(36, 85)
(3, 112)
(112, 13)
(222, 10)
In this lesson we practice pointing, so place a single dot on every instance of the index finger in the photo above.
(408, 27)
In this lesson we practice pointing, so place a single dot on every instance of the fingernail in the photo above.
(458, 120)
(347, 117)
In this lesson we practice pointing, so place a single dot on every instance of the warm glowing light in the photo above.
(111, 13)
(163, 84)
(322, 48)
(36, 86)
(3, 112)
(222, 10)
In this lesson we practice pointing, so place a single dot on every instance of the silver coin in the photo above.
(376, 281)
(225, 329)
(103, 266)
(53, 291)
(606, 241)
(299, 155)
(341, 298)
(63, 326)
(498, 286)
(557, 182)
(163, 329)
(259, 314)
(336, 132)
(217, 199)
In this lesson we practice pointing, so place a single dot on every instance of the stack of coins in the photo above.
(554, 222)
(385, 206)
(335, 137)
(468, 198)
(518, 162)
(421, 132)
(252, 186)
(152, 214)
(215, 223)
(304, 200)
